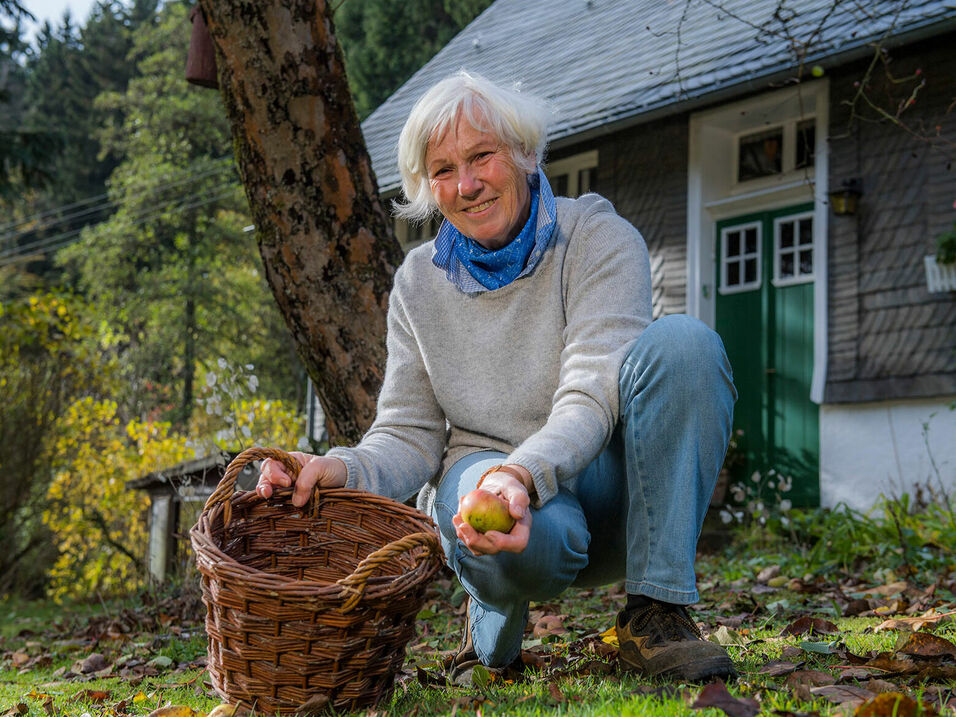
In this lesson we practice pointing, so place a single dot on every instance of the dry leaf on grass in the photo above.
(779, 668)
(915, 624)
(716, 695)
(175, 711)
(924, 644)
(893, 704)
(842, 694)
(810, 625)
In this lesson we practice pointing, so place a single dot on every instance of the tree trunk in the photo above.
(324, 237)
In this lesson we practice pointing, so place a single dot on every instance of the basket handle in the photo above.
(225, 488)
(355, 583)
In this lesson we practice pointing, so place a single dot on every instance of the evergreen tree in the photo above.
(172, 270)
(386, 41)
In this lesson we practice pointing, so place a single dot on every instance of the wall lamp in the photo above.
(845, 199)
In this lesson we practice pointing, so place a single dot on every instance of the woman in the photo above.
(521, 352)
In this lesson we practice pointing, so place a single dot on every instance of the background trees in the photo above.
(136, 325)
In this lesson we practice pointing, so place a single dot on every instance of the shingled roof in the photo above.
(605, 63)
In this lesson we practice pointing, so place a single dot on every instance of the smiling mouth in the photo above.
(479, 207)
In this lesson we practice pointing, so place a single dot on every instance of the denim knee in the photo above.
(679, 347)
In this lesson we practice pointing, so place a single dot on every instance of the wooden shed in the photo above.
(176, 497)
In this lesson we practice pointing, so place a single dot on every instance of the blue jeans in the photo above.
(635, 512)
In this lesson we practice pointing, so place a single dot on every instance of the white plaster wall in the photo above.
(873, 449)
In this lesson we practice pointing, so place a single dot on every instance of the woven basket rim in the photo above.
(221, 565)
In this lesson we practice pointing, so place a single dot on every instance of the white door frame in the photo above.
(713, 194)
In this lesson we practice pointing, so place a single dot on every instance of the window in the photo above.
(410, 234)
(574, 175)
(760, 155)
(793, 255)
(740, 258)
(776, 151)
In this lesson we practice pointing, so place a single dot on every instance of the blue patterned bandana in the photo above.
(474, 269)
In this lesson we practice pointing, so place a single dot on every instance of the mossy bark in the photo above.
(324, 236)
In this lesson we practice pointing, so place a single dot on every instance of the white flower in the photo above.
(249, 367)
(303, 444)
(771, 485)
(725, 516)
(222, 362)
(786, 484)
(755, 477)
(210, 379)
(785, 505)
(246, 431)
(253, 383)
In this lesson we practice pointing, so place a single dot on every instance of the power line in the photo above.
(154, 210)
(72, 237)
(5, 228)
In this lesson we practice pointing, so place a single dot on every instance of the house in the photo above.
(742, 137)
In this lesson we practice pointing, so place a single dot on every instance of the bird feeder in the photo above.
(201, 60)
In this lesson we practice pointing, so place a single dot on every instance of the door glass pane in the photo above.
(786, 266)
(733, 274)
(750, 271)
(786, 235)
(806, 262)
(751, 241)
(733, 244)
(806, 231)
(793, 247)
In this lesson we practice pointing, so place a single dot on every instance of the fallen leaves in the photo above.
(807, 625)
(931, 618)
(716, 695)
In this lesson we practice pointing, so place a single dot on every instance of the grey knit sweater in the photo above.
(530, 369)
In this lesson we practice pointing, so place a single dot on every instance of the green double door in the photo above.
(766, 266)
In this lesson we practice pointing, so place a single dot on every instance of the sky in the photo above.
(52, 10)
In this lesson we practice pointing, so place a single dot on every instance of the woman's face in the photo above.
(477, 185)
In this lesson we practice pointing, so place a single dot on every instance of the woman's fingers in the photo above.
(494, 541)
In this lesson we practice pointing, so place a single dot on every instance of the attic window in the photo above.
(760, 155)
(776, 150)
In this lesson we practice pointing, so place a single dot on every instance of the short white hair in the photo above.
(519, 120)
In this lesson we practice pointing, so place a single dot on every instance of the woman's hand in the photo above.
(313, 470)
(519, 502)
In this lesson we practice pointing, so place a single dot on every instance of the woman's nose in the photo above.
(468, 184)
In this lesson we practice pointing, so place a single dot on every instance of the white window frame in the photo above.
(572, 166)
(746, 286)
(777, 249)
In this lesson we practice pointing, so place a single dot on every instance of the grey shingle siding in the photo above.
(889, 337)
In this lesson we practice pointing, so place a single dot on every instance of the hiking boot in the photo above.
(661, 639)
(460, 668)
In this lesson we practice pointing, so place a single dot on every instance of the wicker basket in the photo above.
(304, 605)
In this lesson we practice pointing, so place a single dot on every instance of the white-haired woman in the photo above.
(521, 352)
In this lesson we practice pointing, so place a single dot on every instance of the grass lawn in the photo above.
(814, 630)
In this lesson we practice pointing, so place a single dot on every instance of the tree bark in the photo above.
(325, 239)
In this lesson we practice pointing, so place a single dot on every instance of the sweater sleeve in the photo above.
(607, 298)
(402, 450)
